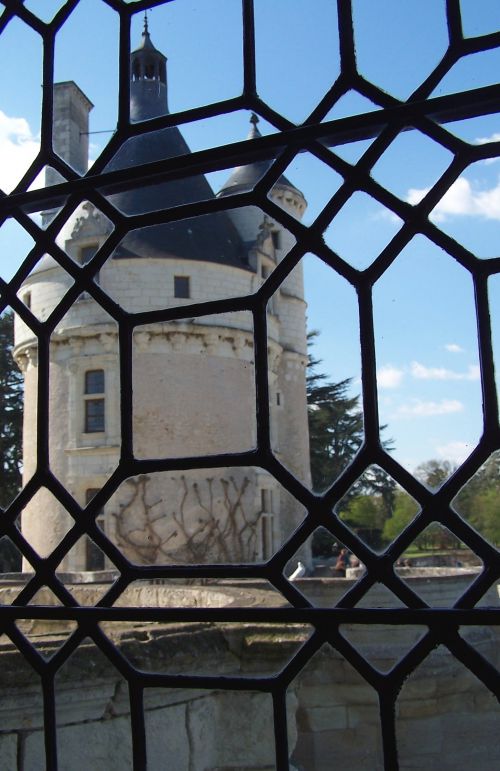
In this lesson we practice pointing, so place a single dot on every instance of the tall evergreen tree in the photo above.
(11, 426)
(335, 436)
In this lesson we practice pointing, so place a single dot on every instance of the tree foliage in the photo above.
(479, 500)
(11, 426)
(335, 436)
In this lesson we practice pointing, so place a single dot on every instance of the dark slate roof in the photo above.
(211, 238)
(245, 178)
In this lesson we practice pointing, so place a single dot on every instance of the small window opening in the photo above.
(94, 381)
(27, 299)
(276, 239)
(181, 287)
(94, 408)
(94, 416)
(278, 399)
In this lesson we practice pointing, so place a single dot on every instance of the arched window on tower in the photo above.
(136, 70)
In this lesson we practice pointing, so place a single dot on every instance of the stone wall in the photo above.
(446, 719)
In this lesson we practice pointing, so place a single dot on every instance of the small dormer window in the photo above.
(181, 287)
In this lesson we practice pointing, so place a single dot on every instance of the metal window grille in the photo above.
(320, 137)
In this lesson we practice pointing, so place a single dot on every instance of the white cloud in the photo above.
(18, 148)
(422, 409)
(495, 137)
(389, 377)
(421, 372)
(462, 199)
(454, 348)
(456, 452)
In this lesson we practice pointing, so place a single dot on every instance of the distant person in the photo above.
(342, 563)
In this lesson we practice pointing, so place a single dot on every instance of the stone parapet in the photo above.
(332, 711)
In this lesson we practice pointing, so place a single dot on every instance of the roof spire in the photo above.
(254, 131)
(146, 28)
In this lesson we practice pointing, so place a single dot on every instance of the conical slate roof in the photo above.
(211, 238)
(245, 178)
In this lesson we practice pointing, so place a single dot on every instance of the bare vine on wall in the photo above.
(211, 523)
(141, 541)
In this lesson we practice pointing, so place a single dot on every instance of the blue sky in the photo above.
(429, 389)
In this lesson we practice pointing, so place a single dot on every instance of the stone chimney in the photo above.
(71, 132)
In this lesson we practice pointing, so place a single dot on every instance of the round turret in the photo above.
(193, 380)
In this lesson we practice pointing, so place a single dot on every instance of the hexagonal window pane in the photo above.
(313, 374)
(45, 522)
(75, 90)
(323, 569)
(193, 80)
(346, 234)
(296, 80)
(185, 378)
(416, 39)
(201, 516)
(381, 645)
(423, 160)
(368, 505)
(21, 105)
(46, 635)
(429, 392)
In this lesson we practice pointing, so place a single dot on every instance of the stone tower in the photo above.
(193, 379)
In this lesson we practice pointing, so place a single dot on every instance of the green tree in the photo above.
(405, 509)
(11, 421)
(434, 472)
(335, 436)
(479, 499)
(335, 429)
(364, 512)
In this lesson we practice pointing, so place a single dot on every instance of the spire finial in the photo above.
(254, 132)
(146, 28)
